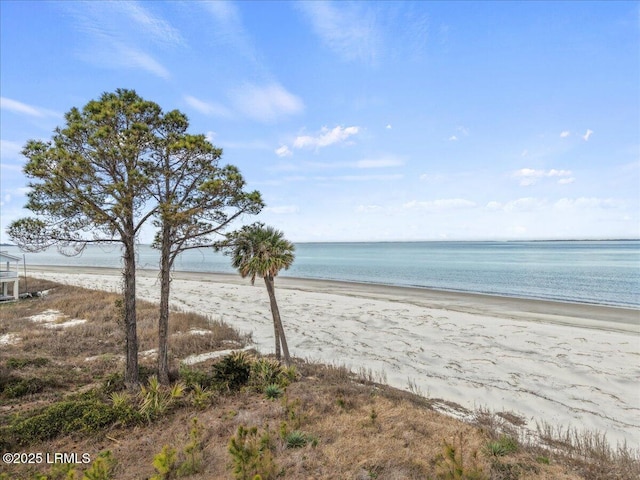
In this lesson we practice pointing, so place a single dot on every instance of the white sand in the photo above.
(568, 365)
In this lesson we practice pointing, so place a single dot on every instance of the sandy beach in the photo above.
(570, 365)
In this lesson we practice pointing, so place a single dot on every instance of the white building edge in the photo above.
(9, 274)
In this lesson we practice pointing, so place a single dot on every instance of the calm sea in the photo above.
(600, 272)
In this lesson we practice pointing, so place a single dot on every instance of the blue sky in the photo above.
(366, 120)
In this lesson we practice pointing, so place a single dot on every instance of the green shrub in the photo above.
(102, 467)
(266, 371)
(18, 363)
(201, 397)
(273, 391)
(155, 399)
(165, 463)
(70, 416)
(113, 383)
(503, 446)
(233, 371)
(295, 439)
(251, 454)
(20, 387)
(192, 377)
(450, 464)
(192, 451)
(62, 471)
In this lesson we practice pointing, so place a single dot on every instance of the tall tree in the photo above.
(262, 251)
(197, 200)
(90, 185)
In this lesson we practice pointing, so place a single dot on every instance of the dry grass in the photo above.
(354, 427)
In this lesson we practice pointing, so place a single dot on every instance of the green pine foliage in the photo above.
(102, 467)
(251, 454)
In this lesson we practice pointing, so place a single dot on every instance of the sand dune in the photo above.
(566, 364)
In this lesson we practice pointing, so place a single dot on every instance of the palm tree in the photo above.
(262, 251)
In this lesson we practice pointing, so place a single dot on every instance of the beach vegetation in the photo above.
(298, 439)
(193, 377)
(269, 373)
(165, 463)
(20, 363)
(259, 250)
(233, 371)
(505, 445)
(63, 418)
(251, 454)
(192, 452)
(201, 397)
(453, 462)
(101, 468)
(273, 391)
(156, 399)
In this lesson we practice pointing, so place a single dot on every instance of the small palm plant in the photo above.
(262, 251)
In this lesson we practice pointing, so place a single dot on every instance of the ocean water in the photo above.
(597, 272)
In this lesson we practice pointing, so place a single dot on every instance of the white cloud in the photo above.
(565, 134)
(369, 209)
(210, 136)
(266, 103)
(350, 30)
(362, 178)
(282, 209)
(494, 205)
(587, 203)
(132, 57)
(525, 204)
(207, 108)
(388, 127)
(115, 39)
(157, 28)
(566, 181)
(439, 205)
(19, 107)
(326, 137)
(587, 135)
(379, 163)
(283, 151)
(429, 177)
(464, 131)
(530, 176)
(229, 28)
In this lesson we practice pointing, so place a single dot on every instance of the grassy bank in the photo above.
(61, 391)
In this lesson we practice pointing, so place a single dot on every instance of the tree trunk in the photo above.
(274, 312)
(131, 334)
(277, 322)
(163, 321)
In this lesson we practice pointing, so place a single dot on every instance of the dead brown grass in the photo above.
(357, 429)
